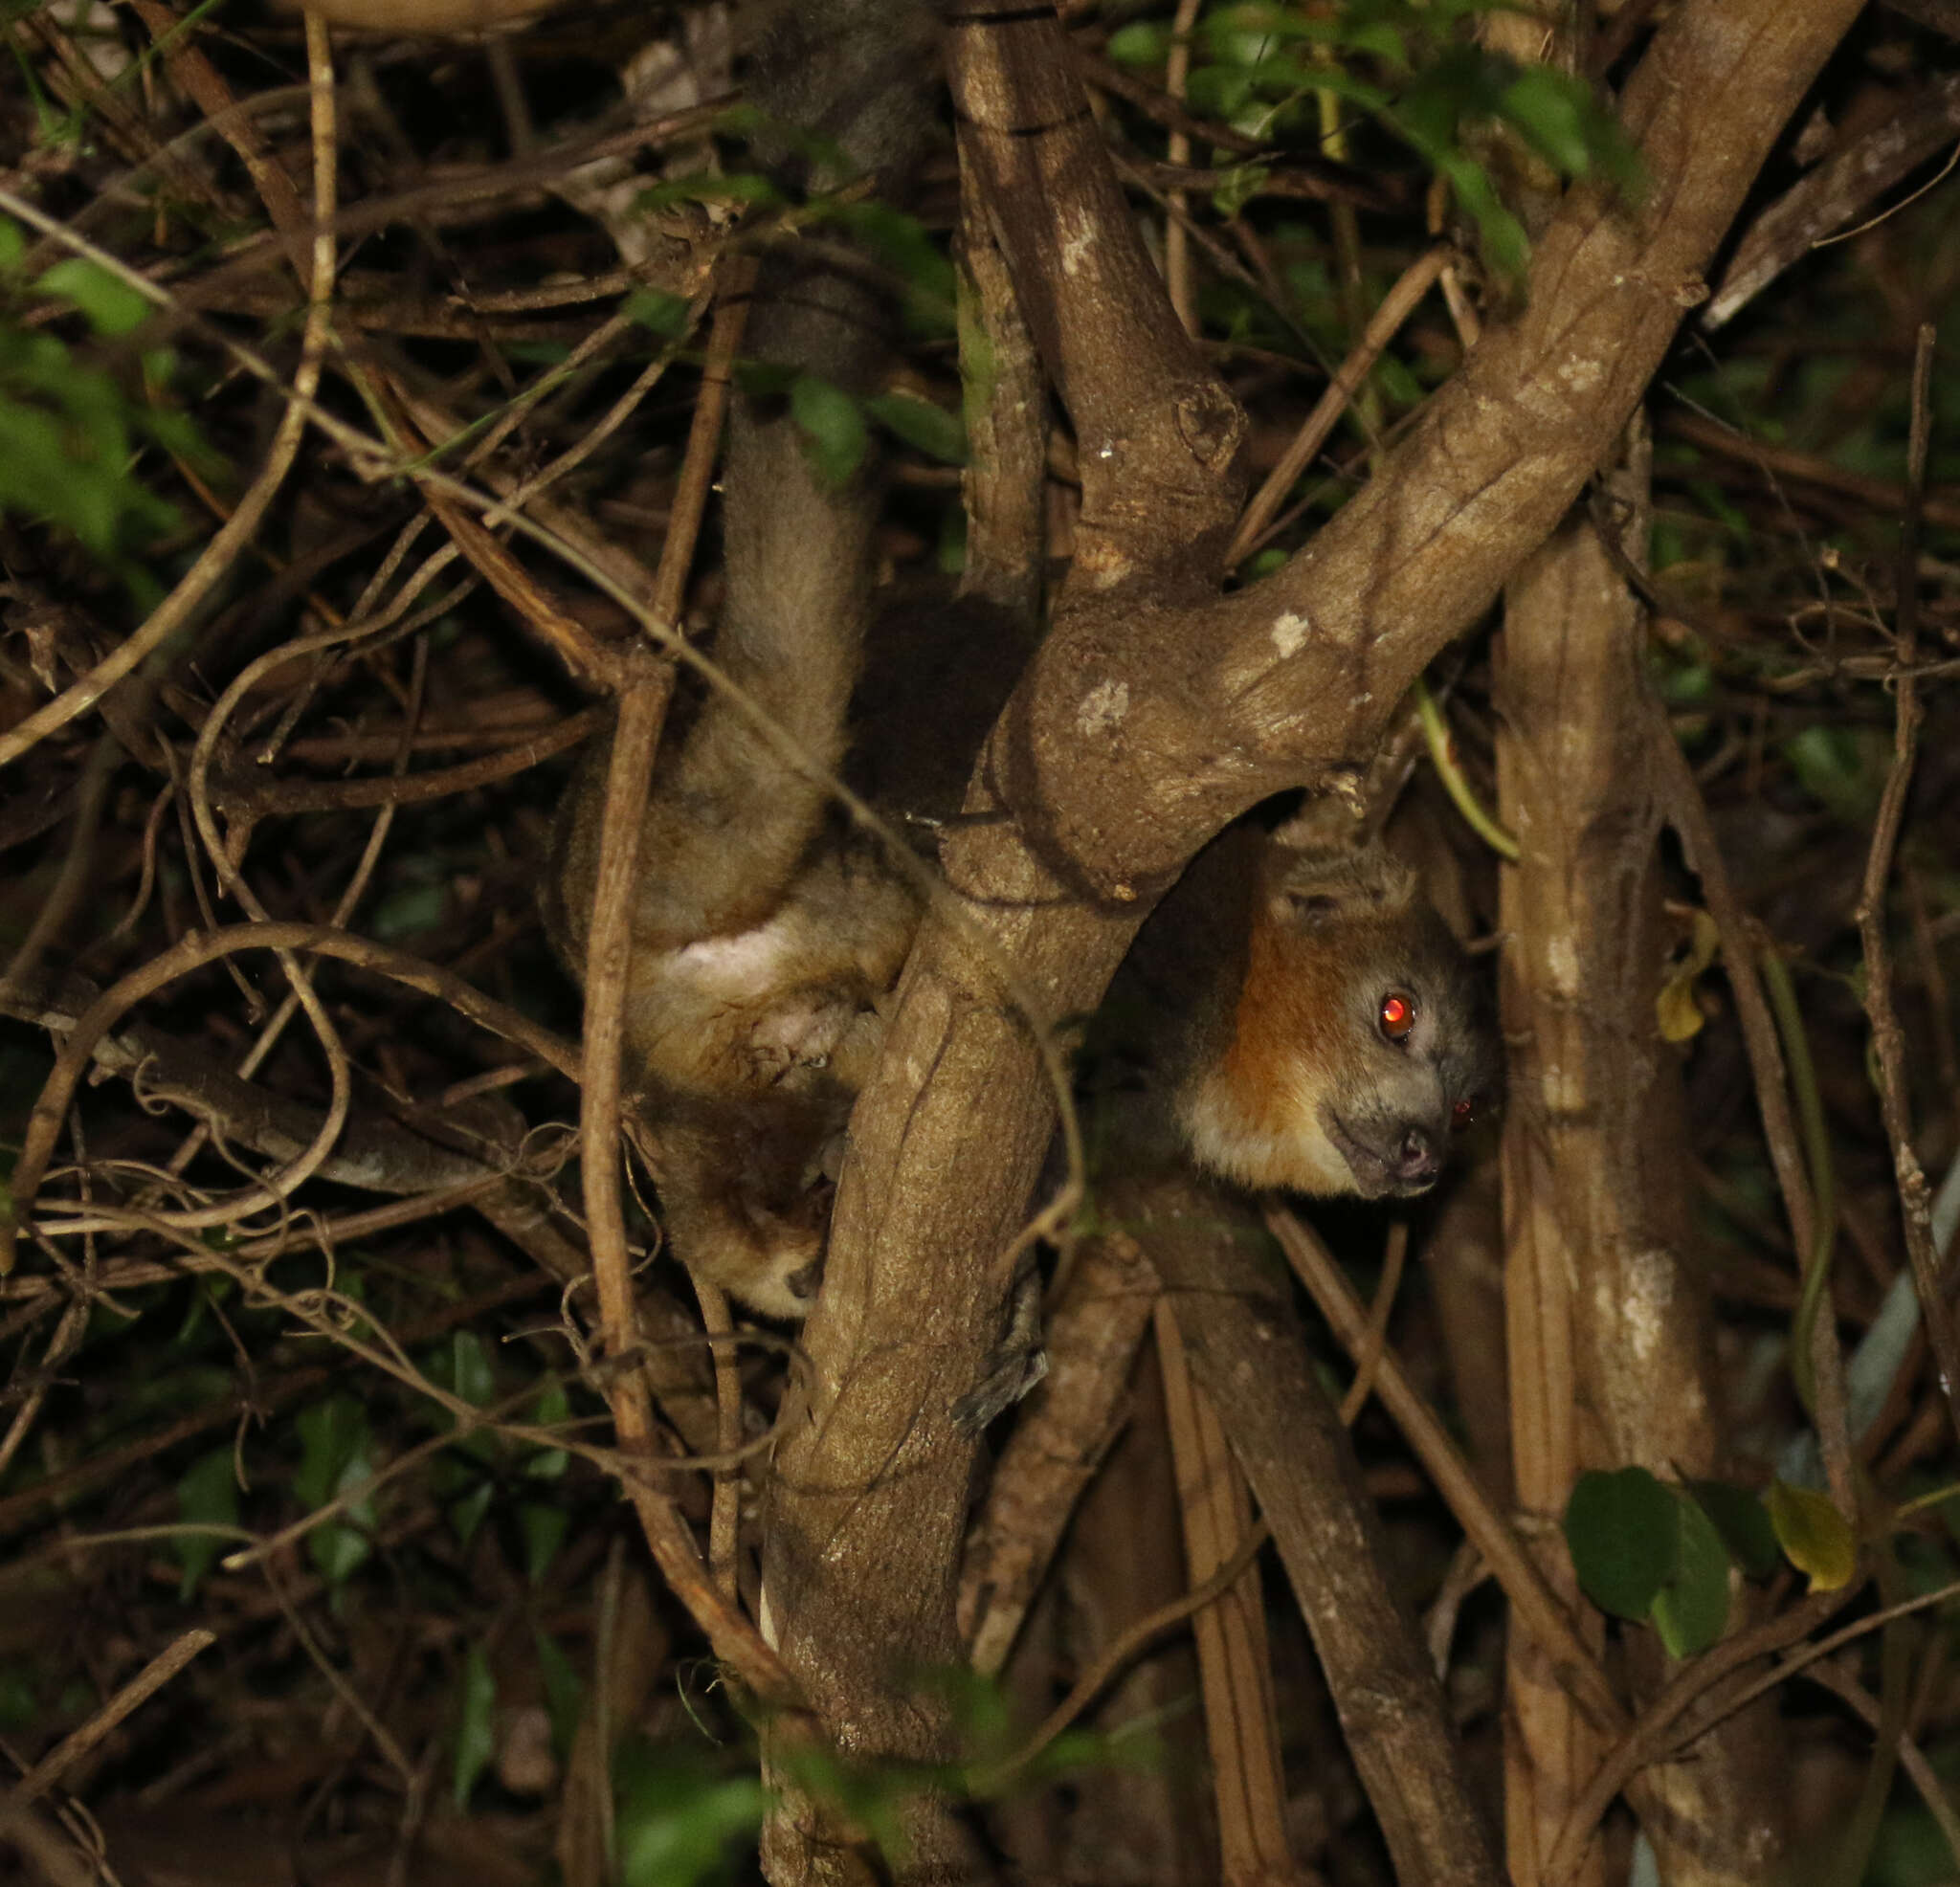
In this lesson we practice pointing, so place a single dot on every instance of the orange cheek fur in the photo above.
(1284, 1023)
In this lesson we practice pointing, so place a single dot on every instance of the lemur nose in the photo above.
(1420, 1159)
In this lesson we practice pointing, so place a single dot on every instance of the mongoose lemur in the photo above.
(1327, 1038)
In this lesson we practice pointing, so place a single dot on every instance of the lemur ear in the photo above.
(1315, 909)
(1319, 889)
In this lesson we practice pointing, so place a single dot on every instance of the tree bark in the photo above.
(1611, 1354)
(1248, 1348)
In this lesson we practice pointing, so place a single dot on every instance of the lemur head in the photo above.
(746, 1183)
(1359, 1044)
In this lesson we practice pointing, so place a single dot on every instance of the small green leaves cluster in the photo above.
(71, 432)
(1661, 1553)
(1262, 66)
(486, 1465)
(836, 425)
(681, 1813)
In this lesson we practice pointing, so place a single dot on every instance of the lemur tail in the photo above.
(846, 88)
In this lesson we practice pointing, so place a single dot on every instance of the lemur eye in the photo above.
(1463, 1113)
(1397, 1015)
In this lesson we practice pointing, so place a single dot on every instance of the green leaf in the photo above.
(1622, 1532)
(902, 244)
(207, 1495)
(70, 468)
(676, 1820)
(466, 1512)
(1843, 769)
(543, 1528)
(471, 1378)
(1216, 91)
(1743, 1521)
(407, 912)
(835, 436)
(1386, 41)
(564, 1696)
(332, 1435)
(930, 429)
(1815, 1537)
(111, 305)
(475, 1734)
(765, 380)
(1691, 1609)
(667, 315)
(195, 1317)
(1248, 33)
(334, 1461)
(1499, 234)
(20, 1707)
(553, 1406)
(1238, 187)
(1551, 112)
(740, 187)
(339, 1548)
(1141, 43)
(12, 244)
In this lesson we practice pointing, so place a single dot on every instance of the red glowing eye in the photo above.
(1396, 1016)
(1463, 1113)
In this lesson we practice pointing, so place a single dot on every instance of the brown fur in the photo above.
(766, 940)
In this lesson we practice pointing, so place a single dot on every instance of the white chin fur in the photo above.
(1297, 1155)
(771, 1295)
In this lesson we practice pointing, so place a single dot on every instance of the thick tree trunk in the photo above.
(1612, 1352)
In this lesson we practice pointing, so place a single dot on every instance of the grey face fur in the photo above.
(1421, 1058)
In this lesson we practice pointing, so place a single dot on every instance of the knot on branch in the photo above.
(1213, 425)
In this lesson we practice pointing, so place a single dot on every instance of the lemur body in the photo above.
(767, 940)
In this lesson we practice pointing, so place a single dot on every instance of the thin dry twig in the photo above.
(1687, 812)
(637, 732)
(1661, 1730)
(1119, 1653)
(703, 435)
(1178, 278)
(246, 798)
(641, 711)
(1374, 1339)
(1536, 1606)
(1889, 1041)
(272, 1393)
(212, 564)
(1397, 305)
(725, 1516)
(1774, 462)
(1932, 1791)
(78, 1743)
(44, 1124)
(292, 423)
